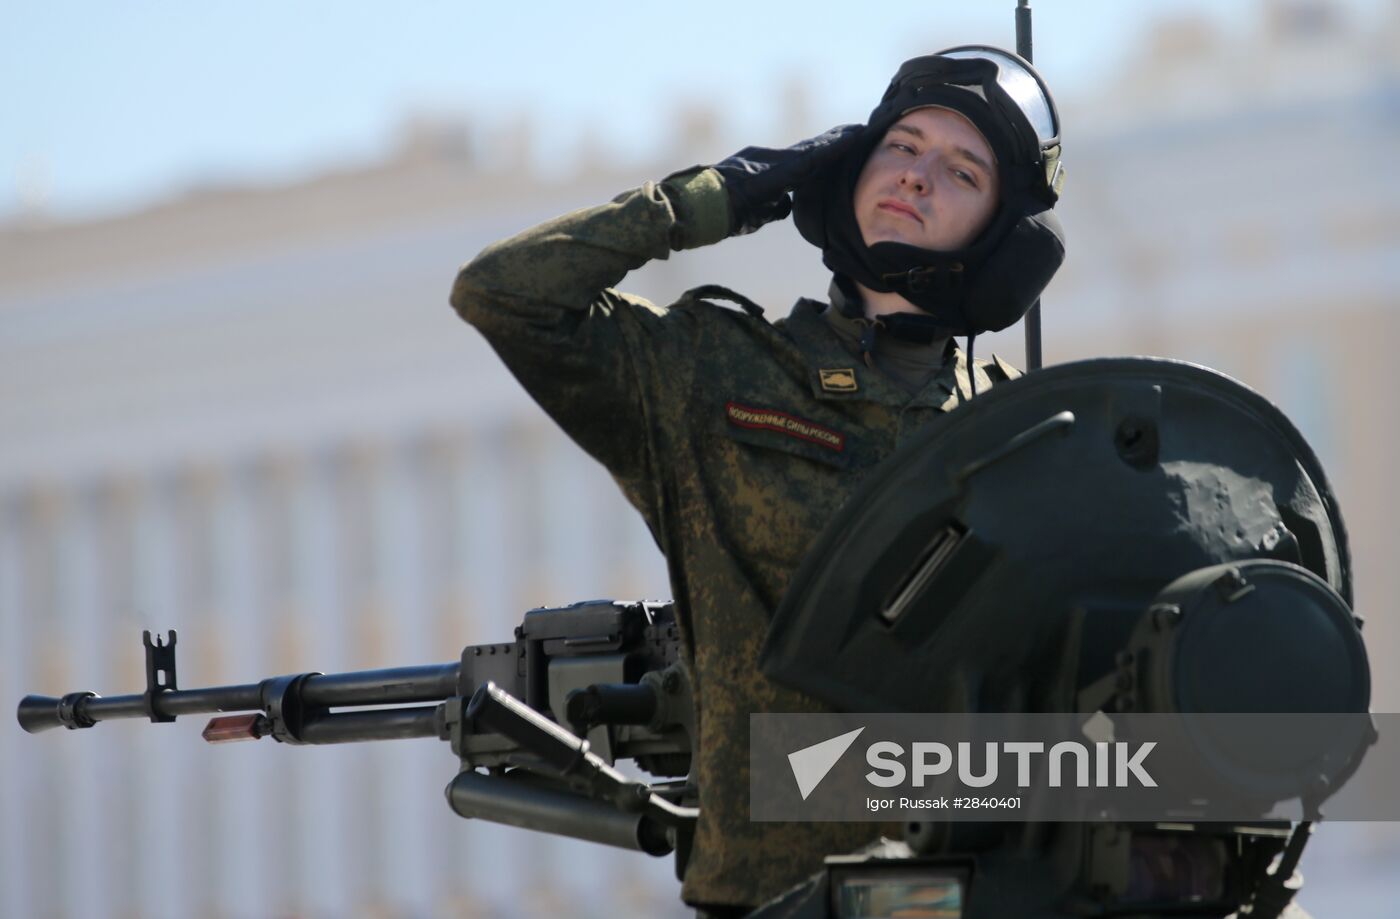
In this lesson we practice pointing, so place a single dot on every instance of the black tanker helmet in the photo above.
(991, 283)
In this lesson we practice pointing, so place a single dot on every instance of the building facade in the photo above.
(250, 415)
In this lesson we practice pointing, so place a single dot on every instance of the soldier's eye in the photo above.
(965, 177)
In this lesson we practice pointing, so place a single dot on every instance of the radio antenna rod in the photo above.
(1023, 48)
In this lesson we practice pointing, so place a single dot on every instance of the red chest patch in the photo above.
(768, 419)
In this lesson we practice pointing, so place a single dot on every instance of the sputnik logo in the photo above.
(811, 764)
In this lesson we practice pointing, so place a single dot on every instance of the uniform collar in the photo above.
(813, 333)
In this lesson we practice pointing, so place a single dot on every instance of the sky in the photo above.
(105, 107)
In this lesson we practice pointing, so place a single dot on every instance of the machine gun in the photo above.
(537, 722)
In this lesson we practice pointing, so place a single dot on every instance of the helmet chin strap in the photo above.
(922, 281)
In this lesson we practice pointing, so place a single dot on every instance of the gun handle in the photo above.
(497, 710)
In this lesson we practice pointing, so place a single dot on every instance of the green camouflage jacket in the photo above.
(737, 440)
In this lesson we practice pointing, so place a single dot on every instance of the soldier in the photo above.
(736, 438)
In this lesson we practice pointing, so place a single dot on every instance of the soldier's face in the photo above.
(930, 182)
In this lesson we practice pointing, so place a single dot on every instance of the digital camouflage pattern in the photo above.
(737, 440)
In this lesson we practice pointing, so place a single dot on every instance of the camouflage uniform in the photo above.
(737, 440)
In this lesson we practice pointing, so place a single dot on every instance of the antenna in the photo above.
(1023, 48)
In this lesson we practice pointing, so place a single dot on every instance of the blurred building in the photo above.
(250, 415)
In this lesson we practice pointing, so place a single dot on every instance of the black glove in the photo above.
(759, 179)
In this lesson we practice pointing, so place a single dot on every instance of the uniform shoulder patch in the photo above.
(770, 419)
(719, 292)
(840, 379)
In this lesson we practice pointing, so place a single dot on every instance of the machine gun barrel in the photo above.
(85, 709)
(311, 694)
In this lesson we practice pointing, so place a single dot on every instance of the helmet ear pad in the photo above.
(818, 202)
(1008, 283)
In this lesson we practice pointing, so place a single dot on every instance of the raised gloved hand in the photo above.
(759, 179)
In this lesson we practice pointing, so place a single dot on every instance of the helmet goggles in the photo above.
(999, 92)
